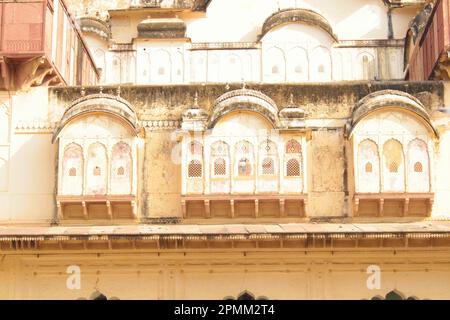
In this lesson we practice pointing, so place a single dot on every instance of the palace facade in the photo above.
(224, 149)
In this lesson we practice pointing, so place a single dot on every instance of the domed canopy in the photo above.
(292, 116)
(389, 99)
(292, 111)
(296, 16)
(161, 28)
(244, 99)
(194, 118)
(99, 103)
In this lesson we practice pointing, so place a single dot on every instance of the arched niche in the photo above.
(161, 66)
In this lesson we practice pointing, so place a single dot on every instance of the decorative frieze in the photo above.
(35, 126)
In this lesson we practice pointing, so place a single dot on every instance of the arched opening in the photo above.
(72, 171)
(368, 167)
(97, 164)
(121, 168)
(393, 164)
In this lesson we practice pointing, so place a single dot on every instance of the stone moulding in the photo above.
(99, 103)
(176, 236)
(244, 99)
(305, 16)
(389, 99)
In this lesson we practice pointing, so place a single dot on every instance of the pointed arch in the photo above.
(368, 167)
(274, 65)
(121, 168)
(220, 159)
(321, 67)
(292, 180)
(116, 74)
(244, 158)
(232, 68)
(297, 69)
(293, 159)
(393, 166)
(178, 67)
(195, 159)
(213, 68)
(72, 170)
(268, 158)
(161, 66)
(418, 168)
(366, 66)
(96, 169)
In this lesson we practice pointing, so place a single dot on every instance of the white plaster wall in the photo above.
(241, 21)
(299, 53)
(28, 161)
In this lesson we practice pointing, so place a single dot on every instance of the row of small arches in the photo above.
(243, 152)
(297, 64)
(415, 175)
(91, 176)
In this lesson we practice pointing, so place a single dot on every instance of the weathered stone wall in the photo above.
(320, 101)
(159, 109)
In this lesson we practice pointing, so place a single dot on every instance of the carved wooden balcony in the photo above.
(96, 207)
(428, 44)
(36, 50)
(244, 206)
(393, 204)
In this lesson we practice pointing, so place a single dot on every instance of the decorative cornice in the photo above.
(161, 124)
